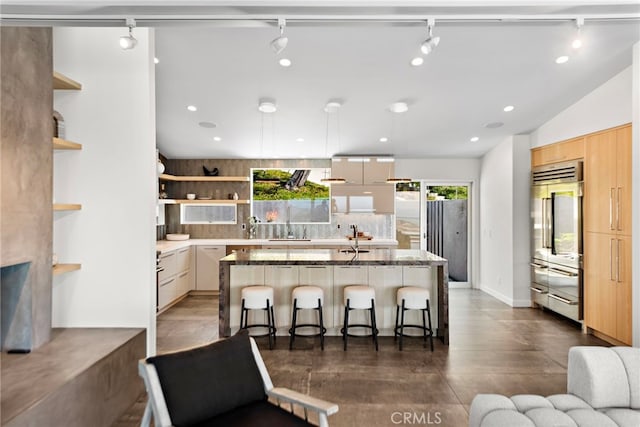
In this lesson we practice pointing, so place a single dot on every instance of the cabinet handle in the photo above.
(562, 272)
(283, 266)
(611, 259)
(163, 256)
(315, 266)
(540, 266)
(618, 210)
(618, 279)
(564, 300)
(612, 196)
(184, 274)
(211, 249)
(540, 291)
(184, 250)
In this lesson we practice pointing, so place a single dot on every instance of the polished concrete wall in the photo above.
(26, 176)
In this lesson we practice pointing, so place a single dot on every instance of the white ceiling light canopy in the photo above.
(431, 42)
(267, 106)
(279, 43)
(129, 42)
(577, 41)
(332, 106)
(399, 107)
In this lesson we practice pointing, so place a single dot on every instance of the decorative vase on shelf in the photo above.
(160, 167)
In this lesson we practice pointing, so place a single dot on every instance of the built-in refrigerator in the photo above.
(556, 236)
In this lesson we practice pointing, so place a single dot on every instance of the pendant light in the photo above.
(330, 108)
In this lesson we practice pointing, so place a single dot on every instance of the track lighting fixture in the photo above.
(431, 42)
(129, 42)
(577, 41)
(279, 43)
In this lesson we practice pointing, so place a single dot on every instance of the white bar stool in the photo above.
(258, 298)
(311, 298)
(413, 298)
(359, 297)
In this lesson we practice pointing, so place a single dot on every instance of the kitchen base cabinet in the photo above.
(423, 276)
(386, 280)
(167, 292)
(207, 257)
(322, 277)
(607, 260)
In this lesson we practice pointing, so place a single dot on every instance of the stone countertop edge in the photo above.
(332, 257)
(171, 245)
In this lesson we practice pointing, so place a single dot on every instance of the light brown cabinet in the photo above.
(207, 266)
(607, 175)
(572, 149)
(607, 233)
(607, 261)
(379, 199)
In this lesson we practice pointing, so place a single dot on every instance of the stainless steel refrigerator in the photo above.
(556, 236)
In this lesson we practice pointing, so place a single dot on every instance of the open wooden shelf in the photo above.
(67, 206)
(65, 268)
(63, 144)
(218, 202)
(60, 81)
(167, 177)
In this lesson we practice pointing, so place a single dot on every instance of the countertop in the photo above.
(167, 245)
(332, 257)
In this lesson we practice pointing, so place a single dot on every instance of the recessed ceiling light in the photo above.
(576, 44)
(509, 108)
(156, 60)
(494, 125)
(208, 125)
(217, 139)
(398, 107)
(417, 61)
(332, 106)
(299, 139)
(285, 62)
(192, 108)
(267, 107)
(384, 139)
(562, 59)
(474, 139)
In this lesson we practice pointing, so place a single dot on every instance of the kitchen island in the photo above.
(385, 270)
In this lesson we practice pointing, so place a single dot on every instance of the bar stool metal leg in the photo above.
(430, 328)
(395, 330)
(374, 327)
(292, 331)
(402, 325)
(346, 322)
(270, 322)
(321, 325)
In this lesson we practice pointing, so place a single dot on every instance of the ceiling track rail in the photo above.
(272, 19)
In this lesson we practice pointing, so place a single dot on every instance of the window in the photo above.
(209, 213)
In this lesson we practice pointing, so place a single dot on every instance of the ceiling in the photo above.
(225, 68)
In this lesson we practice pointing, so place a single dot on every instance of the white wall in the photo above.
(114, 177)
(607, 106)
(504, 218)
(496, 222)
(452, 171)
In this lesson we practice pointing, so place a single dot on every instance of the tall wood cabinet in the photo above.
(607, 233)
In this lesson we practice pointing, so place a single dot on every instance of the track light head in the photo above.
(431, 42)
(129, 42)
(577, 41)
(280, 43)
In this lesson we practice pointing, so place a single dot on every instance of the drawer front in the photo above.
(183, 259)
(167, 291)
(540, 294)
(168, 262)
(566, 306)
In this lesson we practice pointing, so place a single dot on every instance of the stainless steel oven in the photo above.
(556, 236)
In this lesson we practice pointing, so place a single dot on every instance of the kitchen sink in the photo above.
(353, 251)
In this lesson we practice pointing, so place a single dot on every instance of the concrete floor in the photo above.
(494, 349)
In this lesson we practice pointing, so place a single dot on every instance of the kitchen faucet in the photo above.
(355, 237)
